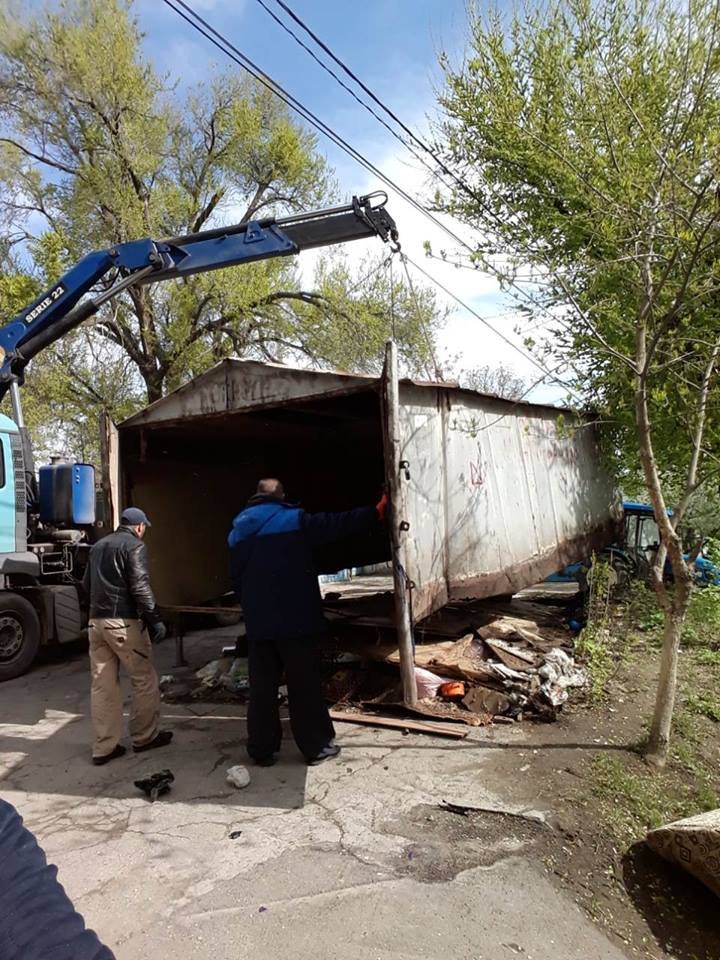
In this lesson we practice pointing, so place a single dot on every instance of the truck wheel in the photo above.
(19, 635)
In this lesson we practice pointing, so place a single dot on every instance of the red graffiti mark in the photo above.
(476, 474)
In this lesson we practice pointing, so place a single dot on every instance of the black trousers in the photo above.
(299, 659)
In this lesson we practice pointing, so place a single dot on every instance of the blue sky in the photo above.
(393, 46)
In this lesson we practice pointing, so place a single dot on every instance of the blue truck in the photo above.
(48, 522)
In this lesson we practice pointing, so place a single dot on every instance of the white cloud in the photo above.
(465, 337)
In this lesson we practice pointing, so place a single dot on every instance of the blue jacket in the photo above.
(37, 918)
(272, 568)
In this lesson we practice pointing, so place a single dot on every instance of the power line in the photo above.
(335, 77)
(461, 183)
(198, 23)
(413, 136)
(466, 306)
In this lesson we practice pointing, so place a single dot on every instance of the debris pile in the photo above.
(476, 662)
(228, 673)
(508, 668)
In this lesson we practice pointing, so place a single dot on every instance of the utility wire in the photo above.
(202, 26)
(198, 23)
(466, 306)
(410, 133)
(458, 180)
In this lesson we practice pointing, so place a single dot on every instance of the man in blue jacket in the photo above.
(274, 577)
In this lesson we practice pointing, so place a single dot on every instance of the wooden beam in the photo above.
(455, 732)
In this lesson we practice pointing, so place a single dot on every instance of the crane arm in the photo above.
(61, 308)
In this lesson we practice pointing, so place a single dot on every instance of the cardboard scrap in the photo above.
(462, 658)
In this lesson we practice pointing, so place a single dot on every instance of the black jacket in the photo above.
(272, 568)
(116, 579)
(37, 919)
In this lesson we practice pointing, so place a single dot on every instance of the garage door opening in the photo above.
(192, 476)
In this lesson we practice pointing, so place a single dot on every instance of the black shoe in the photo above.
(265, 761)
(327, 753)
(161, 739)
(119, 751)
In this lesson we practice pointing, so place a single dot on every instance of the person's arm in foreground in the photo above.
(37, 918)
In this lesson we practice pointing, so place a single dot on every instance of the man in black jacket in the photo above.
(123, 621)
(275, 580)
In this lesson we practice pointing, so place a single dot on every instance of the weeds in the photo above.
(633, 798)
(596, 644)
(704, 704)
(638, 801)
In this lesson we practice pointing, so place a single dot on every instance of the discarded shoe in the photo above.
(119, 751)
(161, 739)
(156, 784)
(327, 753)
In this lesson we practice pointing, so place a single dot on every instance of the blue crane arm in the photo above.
(62, 307)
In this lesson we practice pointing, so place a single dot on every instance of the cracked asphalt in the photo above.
(352, 858)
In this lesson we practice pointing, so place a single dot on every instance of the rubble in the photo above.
(238, 776)
(505, 662)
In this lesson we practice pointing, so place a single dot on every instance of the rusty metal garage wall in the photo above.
(499, 495)
(191, 511)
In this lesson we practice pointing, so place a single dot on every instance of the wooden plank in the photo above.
(414, 726)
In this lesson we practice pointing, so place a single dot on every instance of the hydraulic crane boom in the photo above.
(61, 308)
(46, 528)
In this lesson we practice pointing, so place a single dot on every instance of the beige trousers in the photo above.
(127, 642)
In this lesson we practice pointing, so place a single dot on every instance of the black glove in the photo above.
(158, 631)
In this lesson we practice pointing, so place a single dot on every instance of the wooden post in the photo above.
(391, 445)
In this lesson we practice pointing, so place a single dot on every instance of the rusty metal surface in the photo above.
(500, 494)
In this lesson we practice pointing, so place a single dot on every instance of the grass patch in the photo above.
(633, 798)
(635, 801)
(704, 705)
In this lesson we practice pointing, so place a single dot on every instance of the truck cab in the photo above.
(43, 550)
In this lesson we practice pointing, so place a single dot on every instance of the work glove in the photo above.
(382, 505)
(158, 631)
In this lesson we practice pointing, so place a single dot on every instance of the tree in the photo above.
(585, 138)
(497, 380)
(97, 150)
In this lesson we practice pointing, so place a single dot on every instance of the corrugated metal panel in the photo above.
(497, 499)
(235, 385)
(521, 497)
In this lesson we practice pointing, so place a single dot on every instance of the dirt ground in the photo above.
(587, 770)
(521, 840)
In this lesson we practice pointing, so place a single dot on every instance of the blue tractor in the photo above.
(47, 523)
(634, 556)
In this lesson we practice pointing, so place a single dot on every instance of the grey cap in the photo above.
(133, 517)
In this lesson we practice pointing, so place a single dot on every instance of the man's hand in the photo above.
(158, 631)
(382, 505)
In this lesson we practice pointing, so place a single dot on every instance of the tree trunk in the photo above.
(659, 740)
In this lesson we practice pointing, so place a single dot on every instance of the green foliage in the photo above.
(703, 620)
(705, 704)
(594, 644)
(588, 139)
(97, 147)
